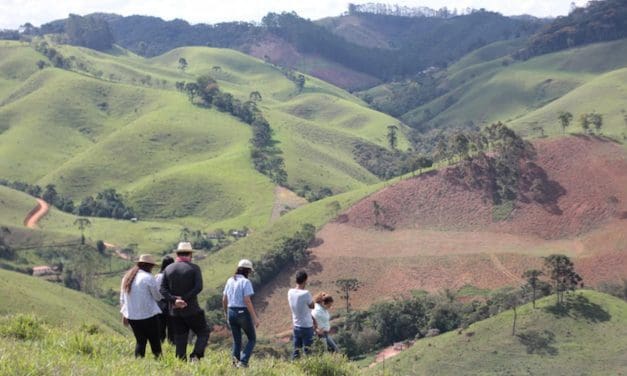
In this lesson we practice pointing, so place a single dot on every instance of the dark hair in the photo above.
(323, 298)
(243, 271)
(167, 260)
(129, 277)
(301, 277)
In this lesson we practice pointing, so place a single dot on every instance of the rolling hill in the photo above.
(119, 122)
(588, 337)
(487, 86)
(55, 304)
(432, 233)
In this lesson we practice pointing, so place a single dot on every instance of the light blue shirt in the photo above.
(236, 289)
(141, 302)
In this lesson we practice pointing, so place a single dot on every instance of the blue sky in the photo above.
(17, 12)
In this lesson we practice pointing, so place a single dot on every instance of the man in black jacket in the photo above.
(181, 284)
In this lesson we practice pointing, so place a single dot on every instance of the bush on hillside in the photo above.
(22, 327)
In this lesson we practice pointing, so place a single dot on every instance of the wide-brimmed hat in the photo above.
(184, 247)
(146, 259)
(244, 263)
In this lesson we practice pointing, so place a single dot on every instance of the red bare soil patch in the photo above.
(444, 235)
(592, 172)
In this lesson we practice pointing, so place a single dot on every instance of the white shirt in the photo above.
(300, 300)
(322, 317)
(141, 302)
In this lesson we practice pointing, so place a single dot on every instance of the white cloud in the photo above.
(17, 12)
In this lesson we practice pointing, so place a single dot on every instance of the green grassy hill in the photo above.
(530, 94)
(22, 294)
(119, 122)
(588, 337)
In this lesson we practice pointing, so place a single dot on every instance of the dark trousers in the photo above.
(240, 319)
(146, 330)
(166, 330)
(303, 337)
(197, 324)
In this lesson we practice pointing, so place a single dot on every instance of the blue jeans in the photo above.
(303, 337)
(239, 319)
(331, 345)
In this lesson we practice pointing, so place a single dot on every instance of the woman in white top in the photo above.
(240, 313)
(321, 314)
(139, 295)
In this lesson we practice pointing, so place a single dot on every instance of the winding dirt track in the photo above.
(36, 214)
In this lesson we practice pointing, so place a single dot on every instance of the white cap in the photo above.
(244, 263)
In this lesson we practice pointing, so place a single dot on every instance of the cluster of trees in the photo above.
(312, 195)
(590, 122)
(55, 57)
(407, 95)
(386, 164)
(292, 251)
(498, 162)
(423, 314)
(265, 154)
(403, 11)
(91, 32)
(107, 203)
(599, 21)
(297, 79)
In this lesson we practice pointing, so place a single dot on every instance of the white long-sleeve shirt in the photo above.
(141, 302)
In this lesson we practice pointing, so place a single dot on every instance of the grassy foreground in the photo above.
(88, 351)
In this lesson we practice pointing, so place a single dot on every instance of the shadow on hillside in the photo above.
(580, 307)
(538, 342)
(536, 187)
(601, 138)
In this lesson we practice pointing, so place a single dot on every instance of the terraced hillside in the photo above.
(119, 122)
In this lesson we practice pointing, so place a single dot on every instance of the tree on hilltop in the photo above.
(533, 278)
(182, 64)
(561, 271)
(565, 118)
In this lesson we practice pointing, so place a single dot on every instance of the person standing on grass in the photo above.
(181, 284)
(240, 313)
(164, 317)
(139, 295)
(301, 302)
(321, 314)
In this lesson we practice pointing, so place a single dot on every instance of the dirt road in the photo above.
(36, 214)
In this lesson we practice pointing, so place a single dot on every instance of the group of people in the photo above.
(166, 306)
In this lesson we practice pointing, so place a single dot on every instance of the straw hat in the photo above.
(146, 259)
(184, 247)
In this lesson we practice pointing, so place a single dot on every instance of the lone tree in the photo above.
(392, 137)
(565, 118)
(533, 277)
(346, 286)
(584, 120)
(596, 120)
(182, 64)
(562, 273)
(82, 223)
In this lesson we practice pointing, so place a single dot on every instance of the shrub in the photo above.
(326, 365)
(23, 327)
